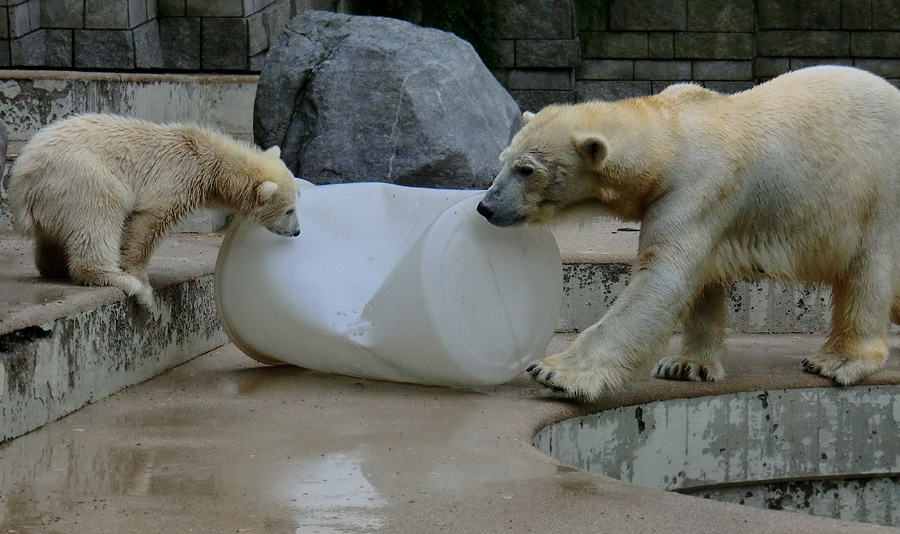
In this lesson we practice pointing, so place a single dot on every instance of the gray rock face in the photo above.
(354, 99)
(5, 221)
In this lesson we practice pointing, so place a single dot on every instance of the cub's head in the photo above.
(563, 157)
(275, 196)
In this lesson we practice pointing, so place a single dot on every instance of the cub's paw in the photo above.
(576, 378)
(683, 368)
(139, 273)
(147, 302)
(844, 371)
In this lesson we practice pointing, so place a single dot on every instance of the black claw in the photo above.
(549, 377)
(809, 366)
(704, 374)
(678, 371)
(531, 368)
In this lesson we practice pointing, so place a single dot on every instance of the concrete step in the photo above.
(63, 346)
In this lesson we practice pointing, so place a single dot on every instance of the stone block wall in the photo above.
(540, 51)
(549, 50)
(629, 48)
(123, 35)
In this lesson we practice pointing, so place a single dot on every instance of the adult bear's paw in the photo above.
(580, 377)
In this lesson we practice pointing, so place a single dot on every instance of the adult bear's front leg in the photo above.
(635, 330)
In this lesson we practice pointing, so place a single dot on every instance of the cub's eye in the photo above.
(289, 212)
(524, 170)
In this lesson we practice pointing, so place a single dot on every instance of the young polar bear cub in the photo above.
(98, 191)
(797, 179)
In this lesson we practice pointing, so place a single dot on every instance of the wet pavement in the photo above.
(224, 444)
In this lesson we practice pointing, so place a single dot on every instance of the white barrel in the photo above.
(392, 282)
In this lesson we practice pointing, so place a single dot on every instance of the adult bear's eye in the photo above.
(524, 170)
(289, 212)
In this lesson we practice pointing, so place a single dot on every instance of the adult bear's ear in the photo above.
(527, 116)
(592, 148)
(265, 190)
(273, 151)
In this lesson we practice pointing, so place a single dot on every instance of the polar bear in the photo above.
(797, 179)
(98, 191)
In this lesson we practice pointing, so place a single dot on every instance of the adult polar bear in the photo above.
(797, 179)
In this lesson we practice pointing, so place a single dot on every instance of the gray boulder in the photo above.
(364, 99)
(4, 141)
(5, 220)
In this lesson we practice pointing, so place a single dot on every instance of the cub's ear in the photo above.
(527, 116)
(592, 148)
(273, 151)
(265, 190)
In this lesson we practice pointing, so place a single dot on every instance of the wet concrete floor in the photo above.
(224, 444)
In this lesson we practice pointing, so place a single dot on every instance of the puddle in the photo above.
(832, 452)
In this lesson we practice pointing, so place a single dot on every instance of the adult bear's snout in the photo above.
(485, 211)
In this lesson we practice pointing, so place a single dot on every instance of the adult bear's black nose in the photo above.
(485, 211)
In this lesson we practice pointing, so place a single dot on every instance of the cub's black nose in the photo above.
(485, 211)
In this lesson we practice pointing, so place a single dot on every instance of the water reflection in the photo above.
(216, 448)
(45, 482)
(333, 495)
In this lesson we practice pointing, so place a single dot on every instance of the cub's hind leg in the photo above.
(50, 256)
(895, 309)
(703, 341)
(143, 231)
(94, 255)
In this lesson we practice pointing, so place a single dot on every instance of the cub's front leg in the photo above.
(635, 330)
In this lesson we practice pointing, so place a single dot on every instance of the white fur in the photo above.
(797, 179)
(98, 191)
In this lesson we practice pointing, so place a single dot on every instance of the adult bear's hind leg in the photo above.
(861, 305)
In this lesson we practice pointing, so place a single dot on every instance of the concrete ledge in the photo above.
(29, 100)
(63, 346)
(598, 251)
(754, 307)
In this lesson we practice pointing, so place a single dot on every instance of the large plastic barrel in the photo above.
(392, 282)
